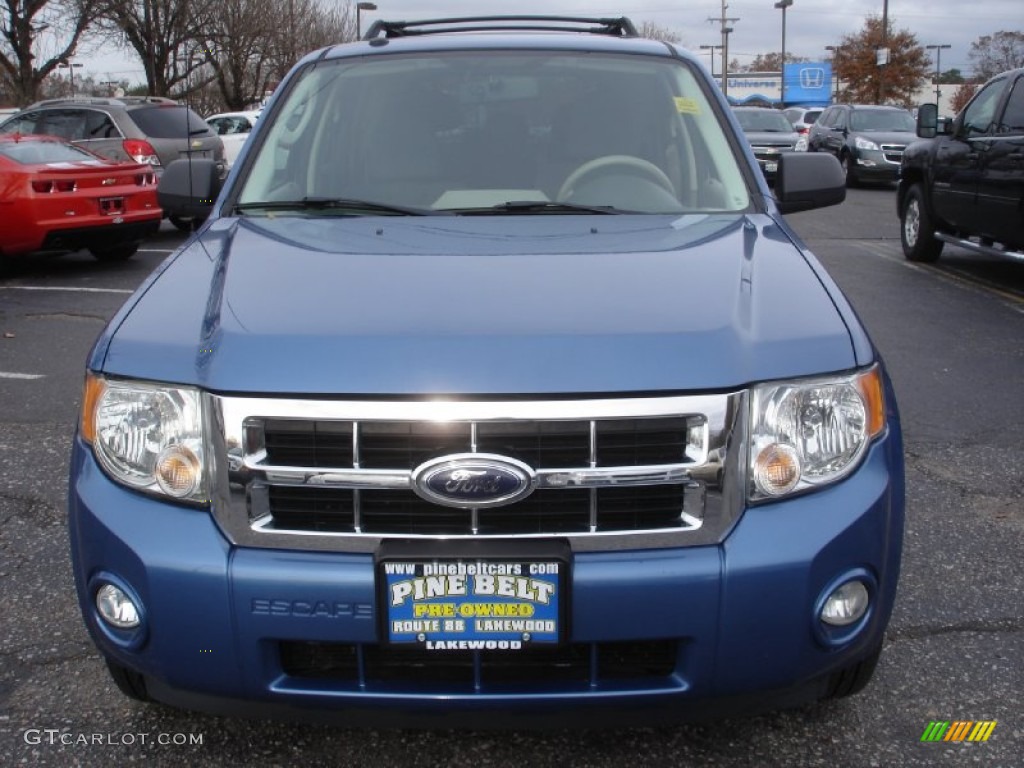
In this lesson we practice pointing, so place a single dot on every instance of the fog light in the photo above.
(846, 605)
(776, 469)
(116, 608)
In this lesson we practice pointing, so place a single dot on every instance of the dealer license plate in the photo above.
(473, 603)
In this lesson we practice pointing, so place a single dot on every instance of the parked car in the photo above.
(495, 385)
(147, 130)
(233, 129)
(55, 196)
(769, 133)
(965, 183)
(802, 118)
(868, 140)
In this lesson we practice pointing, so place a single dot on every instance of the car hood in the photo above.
(470, 305)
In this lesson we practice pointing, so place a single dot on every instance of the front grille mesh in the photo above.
(403, 446)
(588, 664)
(546, 511)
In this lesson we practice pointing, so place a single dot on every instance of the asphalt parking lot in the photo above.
(951, 335)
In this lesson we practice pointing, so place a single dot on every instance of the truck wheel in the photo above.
(129, 682)
(851, 680)
(916, 229)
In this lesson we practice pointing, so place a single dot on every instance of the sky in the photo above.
(810, 24)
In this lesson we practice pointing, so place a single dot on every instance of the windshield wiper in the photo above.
(536, 206)
(341, 204)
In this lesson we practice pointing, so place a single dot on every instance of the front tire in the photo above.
(853, 679)
(847, 165)
(917, 229)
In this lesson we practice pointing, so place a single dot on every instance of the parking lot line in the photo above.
(74, 288)
(8, 375)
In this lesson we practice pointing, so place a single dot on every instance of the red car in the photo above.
(58, 197)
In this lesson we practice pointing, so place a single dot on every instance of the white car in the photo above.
(233, 129)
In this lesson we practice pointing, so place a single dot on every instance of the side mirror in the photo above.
(808, 180)
(928, 121)
(190, 187)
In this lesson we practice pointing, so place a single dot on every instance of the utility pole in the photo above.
(938, 73)
(882, 55)
(726, 29)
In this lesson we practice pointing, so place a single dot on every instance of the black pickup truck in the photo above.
(964, 184)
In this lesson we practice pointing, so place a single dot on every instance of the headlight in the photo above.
(147, 436)
(811, 432)
(865, 144)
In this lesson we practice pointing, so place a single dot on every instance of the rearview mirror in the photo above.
(927, 121)
(808, 180)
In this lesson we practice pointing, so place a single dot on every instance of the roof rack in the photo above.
(105, 101)
(616, 27)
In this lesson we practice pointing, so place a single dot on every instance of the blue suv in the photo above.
(495, 383)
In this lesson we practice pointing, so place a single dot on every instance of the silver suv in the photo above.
(145, 129)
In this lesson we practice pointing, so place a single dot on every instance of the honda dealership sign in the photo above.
(807, 82)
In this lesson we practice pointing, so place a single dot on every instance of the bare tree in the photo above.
(997, 53)
(167, 36)
(22, 24)
(238, 37)
(652, 31)
(306, 25)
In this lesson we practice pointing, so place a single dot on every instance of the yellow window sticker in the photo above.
(687, 106)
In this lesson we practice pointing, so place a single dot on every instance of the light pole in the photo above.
(711, 48)
(835, 65)
(359, 8)
(783, 5)
(70, 67)
(938, 74)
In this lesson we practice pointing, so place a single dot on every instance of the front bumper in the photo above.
(740, 616)
(872, 165)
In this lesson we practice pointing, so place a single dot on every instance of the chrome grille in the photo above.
(607, 473)
(893, 153)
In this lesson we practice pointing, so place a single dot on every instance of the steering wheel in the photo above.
(616, 162)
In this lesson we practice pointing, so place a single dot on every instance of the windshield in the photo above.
(763, 121)
(551, 133)
(882, 120)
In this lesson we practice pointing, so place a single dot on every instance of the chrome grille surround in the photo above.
(710, 475)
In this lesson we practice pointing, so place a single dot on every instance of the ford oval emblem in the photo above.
(470, 480)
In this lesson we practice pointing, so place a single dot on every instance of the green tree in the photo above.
(893, 83)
